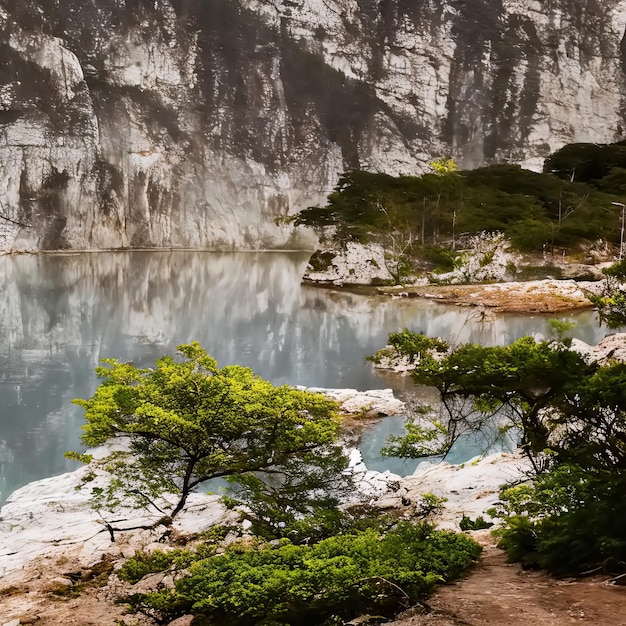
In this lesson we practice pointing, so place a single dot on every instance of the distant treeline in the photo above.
(568, 204)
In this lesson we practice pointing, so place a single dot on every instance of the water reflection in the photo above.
(60, 314)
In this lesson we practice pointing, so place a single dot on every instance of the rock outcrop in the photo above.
(610, 350)
(187, 123)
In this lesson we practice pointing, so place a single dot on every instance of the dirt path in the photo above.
(500, 594)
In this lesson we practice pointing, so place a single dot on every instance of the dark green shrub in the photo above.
(321, 261)
(479, 523)
(329, 582)
(611, 302)
(441, 258)
(586, 161)
(538, 211)
(143, 563)
(568, 521)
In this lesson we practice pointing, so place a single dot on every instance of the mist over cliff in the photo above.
(195, 123)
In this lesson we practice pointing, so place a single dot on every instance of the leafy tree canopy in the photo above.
(611, 301)
(188, 421)
(568, 520)
(586, 162)
(563, 406)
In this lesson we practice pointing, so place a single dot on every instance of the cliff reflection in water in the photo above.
(60, 314)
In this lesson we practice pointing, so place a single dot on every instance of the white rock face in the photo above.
(483, 257)
(611, 348)
(470, 488)
(51, 517)
(356, 264)
(371, 403)
(149, 127)
(368, 483)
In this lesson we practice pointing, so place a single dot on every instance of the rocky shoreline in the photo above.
(537, 296)
(487, 276)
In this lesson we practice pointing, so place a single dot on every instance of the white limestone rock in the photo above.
(147, 137)
(470, 488)
(357, 264)
(370, 403)
(53, 517)
(368, 483)
(483, 257)
(610, 349)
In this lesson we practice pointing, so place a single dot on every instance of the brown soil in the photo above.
(41, 596)
(535, 297)
(497, 593)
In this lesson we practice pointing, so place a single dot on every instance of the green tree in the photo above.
(568, 520)
(443, 166)
(558, 402)
(188, 421)
(611, 301)
(571, 419)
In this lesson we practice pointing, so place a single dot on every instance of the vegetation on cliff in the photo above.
(421, 219)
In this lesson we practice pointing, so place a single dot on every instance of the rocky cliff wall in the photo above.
(188, 123)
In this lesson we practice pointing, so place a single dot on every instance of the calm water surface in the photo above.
(61, 314)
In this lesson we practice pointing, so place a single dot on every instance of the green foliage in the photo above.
(611, 307)
(301, 503)
(143, 563)
(407, 214)
(331, 581)
(570, 520)
(611, 301)
(431, 504)
(617, 271)
(411, 345)
(416, 345)
(443, 260)
(443, 166)
(517, 382)
(587, 162)
(479, 523)
(321, 261)
(571, 416)
(189, 421)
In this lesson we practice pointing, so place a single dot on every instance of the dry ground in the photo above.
(497, 593)
(545, 296)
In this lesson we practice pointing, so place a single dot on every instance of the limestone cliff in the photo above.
(194, 123)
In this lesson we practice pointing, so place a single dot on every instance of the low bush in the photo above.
(329, 582)
(480, 523)
(569, 521)
(611, 301)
